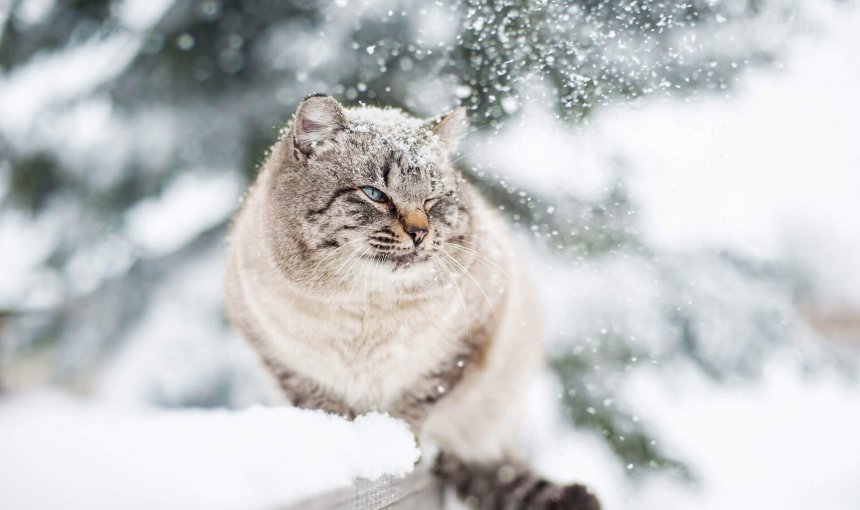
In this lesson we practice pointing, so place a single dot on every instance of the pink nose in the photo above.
(416, 223)
(417, 234)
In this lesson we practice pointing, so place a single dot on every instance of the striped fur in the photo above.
(507, 484)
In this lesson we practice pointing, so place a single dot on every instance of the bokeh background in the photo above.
(684, 178)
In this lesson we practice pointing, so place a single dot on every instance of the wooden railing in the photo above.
(418, 491)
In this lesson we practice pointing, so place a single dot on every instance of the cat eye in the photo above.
(374, 194)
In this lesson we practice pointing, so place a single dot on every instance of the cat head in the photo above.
(367, 188)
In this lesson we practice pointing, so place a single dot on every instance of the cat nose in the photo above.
(416, 224)
(417, 234)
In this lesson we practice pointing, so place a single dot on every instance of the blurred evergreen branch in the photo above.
(591, 406)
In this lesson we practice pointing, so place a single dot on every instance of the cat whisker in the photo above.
(356, 280)
(365, 283)
(443, 265)
(353, 259)
(461, 241)
(348, 243)
(349, 257)
(465, 271)
(358, 259)
(331, 259)
(479, 256)
(329, 256)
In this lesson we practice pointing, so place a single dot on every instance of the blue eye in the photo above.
(374, 194)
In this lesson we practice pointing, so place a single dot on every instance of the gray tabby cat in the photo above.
(370, 276)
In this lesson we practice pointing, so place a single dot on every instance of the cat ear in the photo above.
(450, 128)
(318, 119)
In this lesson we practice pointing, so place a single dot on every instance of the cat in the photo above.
(369, 275)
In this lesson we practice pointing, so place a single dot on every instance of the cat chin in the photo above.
(411, 268)
(402, 262)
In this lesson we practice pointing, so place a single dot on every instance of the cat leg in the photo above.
(305, 393)
(414, 405)
(298, 390)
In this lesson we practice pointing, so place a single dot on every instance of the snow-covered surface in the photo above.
(786, 443)
(58, 452)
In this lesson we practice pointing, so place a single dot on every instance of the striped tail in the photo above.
(510, 486)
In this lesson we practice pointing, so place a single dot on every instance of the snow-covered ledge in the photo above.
(59, 452)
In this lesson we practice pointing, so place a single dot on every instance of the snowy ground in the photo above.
(64, 453)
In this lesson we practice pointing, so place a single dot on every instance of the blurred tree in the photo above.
(206, 84)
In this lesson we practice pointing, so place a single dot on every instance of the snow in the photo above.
(770, 171)
(52, 79)
(140, 15)
(781, 149)
(195, 202)
(60, 452)
(437, 25)
(23, 263)
(197, 363)
(788, 442)
(392, 128)
(545, 154)
(44, 107)
(34, 11)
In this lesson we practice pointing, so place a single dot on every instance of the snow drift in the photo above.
(59, 452)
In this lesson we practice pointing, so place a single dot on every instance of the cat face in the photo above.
(372, 189)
